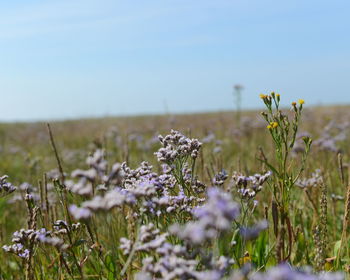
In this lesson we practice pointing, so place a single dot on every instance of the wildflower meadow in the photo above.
(258, 196)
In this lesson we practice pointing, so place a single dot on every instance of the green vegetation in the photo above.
(105, 198)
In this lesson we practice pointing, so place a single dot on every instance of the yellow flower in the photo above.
(301, 101)
(278, 95)
(262, 96)
(269, 126)
(246, 258)
(273, 124)
(294, 103)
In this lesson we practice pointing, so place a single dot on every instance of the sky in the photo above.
(63, 59)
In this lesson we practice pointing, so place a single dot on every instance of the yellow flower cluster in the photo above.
(300, 101)
(267, 97)
(272, 125)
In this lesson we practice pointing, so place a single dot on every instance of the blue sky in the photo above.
(80, 58)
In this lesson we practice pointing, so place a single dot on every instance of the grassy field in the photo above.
(248, 201)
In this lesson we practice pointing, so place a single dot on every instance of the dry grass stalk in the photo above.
(345, 221)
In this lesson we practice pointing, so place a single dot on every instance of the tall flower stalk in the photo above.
(283, 130)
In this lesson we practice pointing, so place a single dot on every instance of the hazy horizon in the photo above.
(165, 114)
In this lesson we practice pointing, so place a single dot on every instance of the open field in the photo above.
(199, 213)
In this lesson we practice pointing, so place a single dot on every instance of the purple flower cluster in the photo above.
(6, 187)
(53, 241)
(62, 227)
(189, 180)
(111, 199)
(175, 146)
(172, 261)
(315, 180)
(25, 239)
(27, 191)
(249, 233)
(220, 178)
(140, 188)
(211, 138)
(168, 261)
(162, 194)
(215, 216)
(96, 176)
(18, 249)
(332, 134)
(249, 186)
(171, 264)
(285, 272)
(149, 239)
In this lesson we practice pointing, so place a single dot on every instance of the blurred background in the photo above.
(64, 59)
